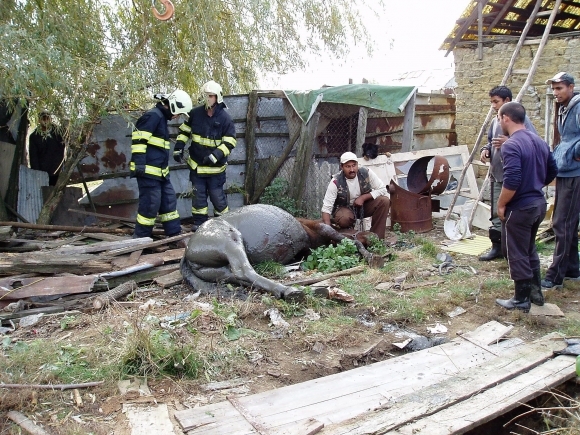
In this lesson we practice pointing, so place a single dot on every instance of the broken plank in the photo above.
(488, 333)
(168, 256)
(118, 292)
(169, 280)
(139, 277)
(496, 401)
(148, 245)
(345, 395)
(31, 312)
(72, 229)
(102, 246)
(85, 264)
(11, 288)
(314, 280)
(451, 391)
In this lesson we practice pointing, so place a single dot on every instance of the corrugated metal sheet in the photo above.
(30, 192)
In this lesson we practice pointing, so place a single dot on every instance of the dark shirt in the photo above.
(528, 166)
(46, 151)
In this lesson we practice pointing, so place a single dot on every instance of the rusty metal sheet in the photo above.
(417, 181)
(19, 288)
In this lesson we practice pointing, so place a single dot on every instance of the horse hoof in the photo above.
(294, 295)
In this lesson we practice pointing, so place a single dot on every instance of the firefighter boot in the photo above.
(521, 299)
(495, 251)
(536, 296)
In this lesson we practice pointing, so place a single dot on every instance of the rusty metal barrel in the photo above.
(410, 210)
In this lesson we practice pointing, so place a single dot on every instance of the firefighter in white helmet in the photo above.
(213, 137)
(150, 150)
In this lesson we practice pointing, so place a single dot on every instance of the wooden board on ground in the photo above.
(494, 402)
(169, 280)
(345, 395)
(11, 288)
(446, 393)
(546, 310)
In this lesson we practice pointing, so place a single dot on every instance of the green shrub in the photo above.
(277, 194)
(333, 258)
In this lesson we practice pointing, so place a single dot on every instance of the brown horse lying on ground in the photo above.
(223, 249)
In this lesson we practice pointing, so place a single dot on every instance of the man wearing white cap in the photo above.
(567, 202)
(357, 188)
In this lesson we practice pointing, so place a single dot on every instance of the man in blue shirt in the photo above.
(528, 166)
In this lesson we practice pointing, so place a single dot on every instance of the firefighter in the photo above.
(150, 164)
(213, 137)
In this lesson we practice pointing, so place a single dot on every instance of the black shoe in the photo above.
(493, 253)
(521, 299)
(549, 285)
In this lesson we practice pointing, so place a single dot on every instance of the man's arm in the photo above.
(379, 189)
(33, 151)
(486, 149)
(328, 202)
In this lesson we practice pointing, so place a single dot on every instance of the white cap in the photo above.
(347, 157)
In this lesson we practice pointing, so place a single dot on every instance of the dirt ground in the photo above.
(264, 356)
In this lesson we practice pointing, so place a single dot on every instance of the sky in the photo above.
(407, 38)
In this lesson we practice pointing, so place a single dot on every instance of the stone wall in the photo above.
(475, 78)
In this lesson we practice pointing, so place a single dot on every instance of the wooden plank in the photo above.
(496, 401)
(489, 333)
(45, 286)
(451, 391)
(169, 256)
(211, 421)
(166, 241)
(11, 264)
(103, 246)
(345, 395)
(170, 279)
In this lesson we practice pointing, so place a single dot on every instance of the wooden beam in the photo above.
(252, 113)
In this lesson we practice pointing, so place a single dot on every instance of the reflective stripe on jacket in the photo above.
(150, 143)
(213, 137)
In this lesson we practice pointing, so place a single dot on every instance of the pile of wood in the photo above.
(48, 269)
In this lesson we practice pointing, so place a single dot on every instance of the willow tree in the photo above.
(84, 58)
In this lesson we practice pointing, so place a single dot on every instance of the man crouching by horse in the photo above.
(356, 192)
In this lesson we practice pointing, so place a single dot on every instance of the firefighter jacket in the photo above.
(150, 144)
(343, 195)
(212, 140)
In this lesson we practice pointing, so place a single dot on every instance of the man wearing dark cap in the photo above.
(567, 201)
(46, 148)
(352, 190)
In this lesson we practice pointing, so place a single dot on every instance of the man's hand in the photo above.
(178, 156)
(209, 160)
(484, 155)
(498, 141)
(139, 171)
(501, 212)
(360, 201)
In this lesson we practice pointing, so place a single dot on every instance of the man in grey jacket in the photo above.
(567, 202)
(498, 96)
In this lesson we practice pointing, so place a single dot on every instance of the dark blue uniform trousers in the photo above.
(212, 186)
(157, 197)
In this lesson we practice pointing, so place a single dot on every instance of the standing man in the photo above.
(46, 148)
(359, 188)
(213, 137)
(567, 201)
(498, 96)
(528, 166)
(150, 164)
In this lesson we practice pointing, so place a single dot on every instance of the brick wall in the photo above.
(475, 78)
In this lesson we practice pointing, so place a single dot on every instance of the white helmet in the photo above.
(179, 102)
(214, 88)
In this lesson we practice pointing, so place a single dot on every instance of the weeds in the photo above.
(277, 194)
(333, 258)
(270, 269)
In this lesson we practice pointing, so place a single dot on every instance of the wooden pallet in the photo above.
(386, 395)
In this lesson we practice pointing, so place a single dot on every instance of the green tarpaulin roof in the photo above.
(386, 98)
